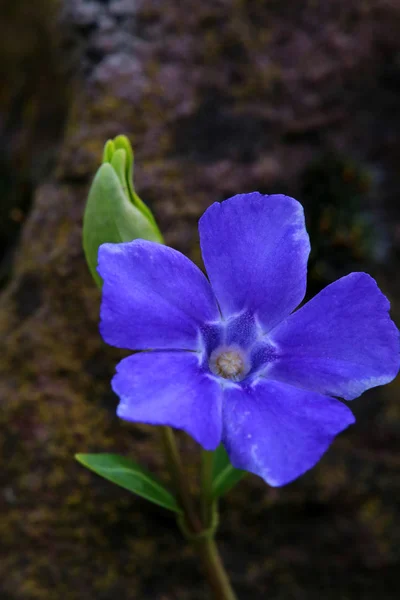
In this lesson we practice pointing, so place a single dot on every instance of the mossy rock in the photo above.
(213, 106)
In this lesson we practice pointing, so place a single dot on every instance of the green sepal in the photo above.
(224, 475)
(131, 476)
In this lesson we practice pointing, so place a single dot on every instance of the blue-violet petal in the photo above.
(170, 388)
(278, 431)
(255, 250)
(153, 297)
(341, 343)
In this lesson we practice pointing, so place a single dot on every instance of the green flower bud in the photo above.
(114, 212)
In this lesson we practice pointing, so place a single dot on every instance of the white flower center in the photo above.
(229, 363)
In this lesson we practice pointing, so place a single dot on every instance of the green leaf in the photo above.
(108, 151)
(225, 476)
(118, 162)
(121, 142)
(131, 476)
(110, 216)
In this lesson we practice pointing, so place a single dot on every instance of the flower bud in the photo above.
(114, 212)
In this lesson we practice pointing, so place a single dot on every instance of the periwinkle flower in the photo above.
(226, 359)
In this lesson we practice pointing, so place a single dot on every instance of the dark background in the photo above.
(217, 97)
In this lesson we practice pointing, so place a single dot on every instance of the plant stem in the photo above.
(202, 540)
(178, 479)
(217, 577)
(206, 488)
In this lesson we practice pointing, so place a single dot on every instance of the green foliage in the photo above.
(131, 476)
(224, 475)
(114, 212)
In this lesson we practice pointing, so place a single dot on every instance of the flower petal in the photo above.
(255, 250)
(153, 297)
(169, 388)
(278, 431)
(341, 343)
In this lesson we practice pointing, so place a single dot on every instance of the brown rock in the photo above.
(217, 98)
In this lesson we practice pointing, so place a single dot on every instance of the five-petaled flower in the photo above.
(226, 359)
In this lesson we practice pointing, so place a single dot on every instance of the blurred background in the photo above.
(217, 97)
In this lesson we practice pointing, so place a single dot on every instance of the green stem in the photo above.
(217, 577)
(199, 533)
(206, 488)
(178, 479)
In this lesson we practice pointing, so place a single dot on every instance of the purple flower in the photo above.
(226, 359)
